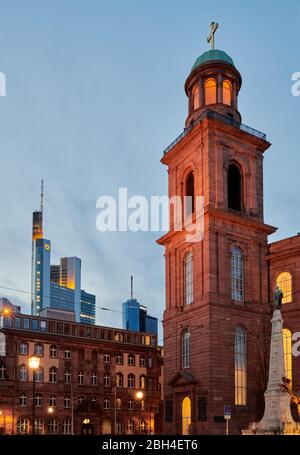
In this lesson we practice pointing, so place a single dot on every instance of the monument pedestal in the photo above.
(277, 417)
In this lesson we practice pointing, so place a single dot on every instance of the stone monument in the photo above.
(277, 417)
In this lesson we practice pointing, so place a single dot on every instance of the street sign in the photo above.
(227, 412)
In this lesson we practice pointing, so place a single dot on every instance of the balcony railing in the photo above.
(222, 118)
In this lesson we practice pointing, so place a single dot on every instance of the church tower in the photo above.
(217, 312)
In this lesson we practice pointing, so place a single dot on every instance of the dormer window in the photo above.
(227, 92)
(210, 91)
(195, 98)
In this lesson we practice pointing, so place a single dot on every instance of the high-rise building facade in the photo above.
(87, 308)
(135, 317)
(40, 286)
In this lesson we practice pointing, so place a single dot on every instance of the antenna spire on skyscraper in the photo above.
(131, 293)
(42, 196)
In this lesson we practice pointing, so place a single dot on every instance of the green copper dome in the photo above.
(212, 55)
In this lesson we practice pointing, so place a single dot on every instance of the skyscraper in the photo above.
(40, 286)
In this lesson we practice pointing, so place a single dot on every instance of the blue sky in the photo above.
(95, 93)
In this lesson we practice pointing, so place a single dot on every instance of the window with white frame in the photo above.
(38, 426)
(186, 340)
(53, 375)
(67, 401)
(188, 279)
(67, 353)
(94, 378)
(106, 403)
(67, 377)
(119, 359)
(23, 348)
(237, 275)
(80, 399)
(131, 360)
(53, 426)
(39, 350)
(142, 361)
(130, 426)
(23, 373)
(2, 372)
(23, 399)
(52, 401)
(131, 380)
(38, 400)
(119, 427)
(106, 379)
(130, 405)
(53, 351)
(22, 425)
(80, 377)
(39, 374)
(106, 358)
(67, 426)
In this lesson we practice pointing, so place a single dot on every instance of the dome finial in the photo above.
(211, 38)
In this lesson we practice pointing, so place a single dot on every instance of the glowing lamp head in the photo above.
(139, 395)
(50, 410)
(6, 311)
(34, 362)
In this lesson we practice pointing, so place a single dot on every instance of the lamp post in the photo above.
(139, 395)
(34, 363)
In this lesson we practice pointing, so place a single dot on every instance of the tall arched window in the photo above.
(186, 415)
(190, 194)
(188, 279)
(195, 98)
(234, 187)
(287, 349)
(237, 275)
(186, 348)
(2, 345)
(240, 366)
(284, 281)
(210, 90)
(227, 91)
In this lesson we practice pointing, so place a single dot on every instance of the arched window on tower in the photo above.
(234, 187)
(195, 98)
(287, 350)
(210, 91)
(227, 92)
(190, 194)
(284, 281)
(186, 348)
(237, 275)
(188, 279)
(240, 366)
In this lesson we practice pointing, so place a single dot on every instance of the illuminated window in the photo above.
(119, 380)
(195, 98)
(189, 195)
(287, 349)
(186, 349)
(240, 366)
(142, 426)
(130, 426)
(186, 415)
(119, 403)
(142, 382)
(210, 89)
(22, 426)
(237, 275)
(106, 427)
(227, 90)
(38, 426)
(284, 281)
(188, 279)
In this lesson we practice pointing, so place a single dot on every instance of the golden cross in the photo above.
(211, 38)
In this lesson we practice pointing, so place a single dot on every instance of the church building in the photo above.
(220, 290)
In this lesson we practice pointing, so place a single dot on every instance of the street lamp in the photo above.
(34, 363)
(139, 396)
(50, 410)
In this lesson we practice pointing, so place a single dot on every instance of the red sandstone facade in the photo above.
(85, 372)
(225, 319)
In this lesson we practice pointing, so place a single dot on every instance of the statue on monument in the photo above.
(278, 296)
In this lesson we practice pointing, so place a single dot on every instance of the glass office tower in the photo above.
(87, 308)
(40, 286)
